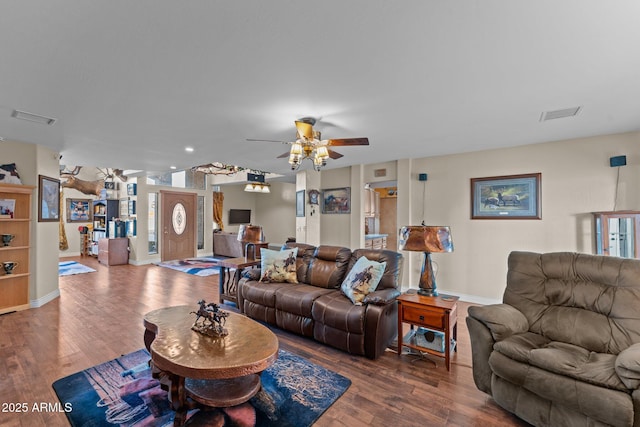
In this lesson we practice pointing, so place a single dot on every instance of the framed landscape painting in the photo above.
(336, 201)
(506, 197)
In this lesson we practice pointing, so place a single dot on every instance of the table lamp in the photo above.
(249, 235)
(428, 239)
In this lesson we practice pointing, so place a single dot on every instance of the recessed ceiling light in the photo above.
(188, 149)
(23, 115)
(172, 167)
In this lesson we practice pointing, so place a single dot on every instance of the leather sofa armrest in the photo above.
(381, 297)
(627, 366)
(502, 320)
(251, 274)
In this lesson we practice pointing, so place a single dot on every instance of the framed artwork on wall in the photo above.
(300, 203)
(48, 199)
(506, 197)
(79, 210)
(336, 201)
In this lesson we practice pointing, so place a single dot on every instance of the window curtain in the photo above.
(218, 199)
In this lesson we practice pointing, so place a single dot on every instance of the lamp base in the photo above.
(428, 292)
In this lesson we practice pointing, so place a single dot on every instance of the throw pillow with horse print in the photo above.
(9, 174)
(278, 266)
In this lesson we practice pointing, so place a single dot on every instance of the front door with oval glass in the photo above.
(178, 225)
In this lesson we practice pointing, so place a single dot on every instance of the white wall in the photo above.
(576, 180)
(275, 211)
(335, 229)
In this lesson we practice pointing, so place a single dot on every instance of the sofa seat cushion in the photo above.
(263, 293)
(298, 299)
(337, 311)
(562, 359)
(611, 407)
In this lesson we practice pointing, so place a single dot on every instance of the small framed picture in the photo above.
(79, 210)
(300, 203)
(506, 197)
(336, 201)
(48, 199)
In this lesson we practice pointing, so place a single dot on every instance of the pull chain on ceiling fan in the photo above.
(309, 145)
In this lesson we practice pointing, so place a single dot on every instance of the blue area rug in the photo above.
(295, 392)
(195, 266)
(67, 268)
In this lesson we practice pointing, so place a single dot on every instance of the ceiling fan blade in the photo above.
(348, 141)
(304, 129)
(283, 155)
(334, 154)
(267, 140)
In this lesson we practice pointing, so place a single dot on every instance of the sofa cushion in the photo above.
(262, 293)
(335, 310)
(328, 266)
(305, 253)
(612, 407)
(586, 300)
(562, 359)
(393, 272)
(299, 299)
(362, 279)
(278, 266)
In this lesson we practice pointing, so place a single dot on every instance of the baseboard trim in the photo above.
(143, 262)
(35, 303)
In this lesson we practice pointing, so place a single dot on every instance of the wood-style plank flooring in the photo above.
(99, 317)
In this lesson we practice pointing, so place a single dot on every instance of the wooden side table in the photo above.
(229, 280)
(436, 313)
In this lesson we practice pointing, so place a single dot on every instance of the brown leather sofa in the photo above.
(564, 347)
(316, 308)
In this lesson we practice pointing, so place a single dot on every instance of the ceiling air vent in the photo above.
(23, 115)
(559, 114)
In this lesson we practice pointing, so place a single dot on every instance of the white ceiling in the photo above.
(134, 82)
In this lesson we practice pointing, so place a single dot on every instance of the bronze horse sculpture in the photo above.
(210, 320)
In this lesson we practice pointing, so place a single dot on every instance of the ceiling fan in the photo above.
(309, 145)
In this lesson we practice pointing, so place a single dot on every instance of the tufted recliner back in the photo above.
(591, 301)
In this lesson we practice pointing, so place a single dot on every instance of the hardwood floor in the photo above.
(99, 317)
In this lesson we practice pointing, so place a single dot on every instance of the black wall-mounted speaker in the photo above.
(422, 177)
(618, 161)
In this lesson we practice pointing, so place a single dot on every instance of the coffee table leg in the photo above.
(178, 399)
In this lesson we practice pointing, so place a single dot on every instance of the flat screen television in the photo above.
(239, 216)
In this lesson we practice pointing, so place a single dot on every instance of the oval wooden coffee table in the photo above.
(199, 369)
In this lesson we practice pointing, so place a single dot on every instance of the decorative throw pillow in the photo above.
(9, 174)
(278, 266)
(362, 279)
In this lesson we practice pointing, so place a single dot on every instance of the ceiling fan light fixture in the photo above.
(322, 152)
(296, 148)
